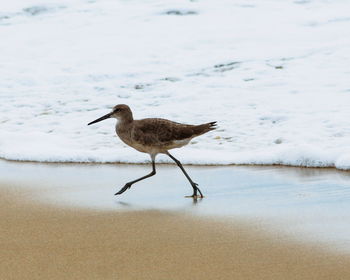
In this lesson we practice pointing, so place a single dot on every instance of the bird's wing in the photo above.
(160, 131)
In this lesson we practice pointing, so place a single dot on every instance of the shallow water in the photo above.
(305, 203)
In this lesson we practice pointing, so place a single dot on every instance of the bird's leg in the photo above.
(193, 184)
(129, 184)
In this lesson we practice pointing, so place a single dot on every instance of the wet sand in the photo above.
(310, 205)
(39, 241)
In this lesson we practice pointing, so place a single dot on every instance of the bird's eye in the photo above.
(116, 110)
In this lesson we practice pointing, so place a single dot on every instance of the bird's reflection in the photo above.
(124, 204)
(196, 200)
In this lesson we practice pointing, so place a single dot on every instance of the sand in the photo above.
(44, 242)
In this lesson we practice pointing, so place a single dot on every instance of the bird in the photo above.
(155, 136)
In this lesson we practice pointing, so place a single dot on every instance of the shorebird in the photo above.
(154, 136)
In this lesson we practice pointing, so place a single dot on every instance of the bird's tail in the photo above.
(212, 125)
(204, 128)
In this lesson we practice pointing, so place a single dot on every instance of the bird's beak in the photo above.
(102, 118)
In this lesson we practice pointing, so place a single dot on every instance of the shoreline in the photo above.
(330, 168)
(42, 241)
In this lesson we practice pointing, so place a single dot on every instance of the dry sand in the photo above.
(43, 242)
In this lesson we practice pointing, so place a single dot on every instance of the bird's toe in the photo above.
(123, 189)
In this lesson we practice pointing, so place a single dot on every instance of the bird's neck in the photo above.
(127, 118)
(124, 123)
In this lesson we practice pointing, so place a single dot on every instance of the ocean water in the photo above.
(274, 74)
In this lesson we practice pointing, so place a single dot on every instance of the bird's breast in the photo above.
(124, 133)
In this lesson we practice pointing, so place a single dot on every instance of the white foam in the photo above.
(273, 74)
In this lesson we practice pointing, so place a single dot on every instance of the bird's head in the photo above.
(121, 112)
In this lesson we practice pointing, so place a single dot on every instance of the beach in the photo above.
(274, 77)
(41, 242)
(50, 239)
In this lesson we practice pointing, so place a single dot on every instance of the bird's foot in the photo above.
(195, 190)
(195, 196)
(123, 189)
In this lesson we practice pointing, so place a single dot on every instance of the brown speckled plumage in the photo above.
(154, 136)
